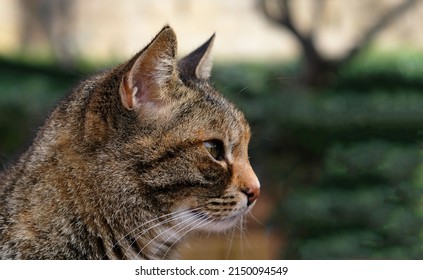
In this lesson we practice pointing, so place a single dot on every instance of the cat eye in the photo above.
(215, 149)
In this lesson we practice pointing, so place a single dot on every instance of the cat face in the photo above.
(214, 135)
(190, 149)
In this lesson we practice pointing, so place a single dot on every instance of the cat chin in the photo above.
(223, 225)
(228, 222)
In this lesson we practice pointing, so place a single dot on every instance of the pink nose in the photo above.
(247, 180)
(252, 192)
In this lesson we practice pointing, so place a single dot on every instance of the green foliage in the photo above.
(365, 201)
(345, 162)
(27, 93)
(370, 71)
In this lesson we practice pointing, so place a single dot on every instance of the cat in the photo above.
(130, 163)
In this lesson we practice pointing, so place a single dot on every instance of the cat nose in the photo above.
(252, 194)
(247, 181)
(252, 190)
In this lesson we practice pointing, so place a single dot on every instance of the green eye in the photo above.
(215, 149)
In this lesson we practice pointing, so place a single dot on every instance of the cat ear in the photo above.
(197, 64)
(143, 86)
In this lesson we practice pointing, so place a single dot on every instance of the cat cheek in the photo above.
(215, 174)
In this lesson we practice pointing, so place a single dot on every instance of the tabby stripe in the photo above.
(177, 186)
(101, 248)
(135, 246)
(117, 250)
(167, 155)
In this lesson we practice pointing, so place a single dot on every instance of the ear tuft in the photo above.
(197, 64)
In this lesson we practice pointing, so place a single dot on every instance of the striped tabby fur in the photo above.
(130, 163)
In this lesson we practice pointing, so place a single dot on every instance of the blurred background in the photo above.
(332, 89)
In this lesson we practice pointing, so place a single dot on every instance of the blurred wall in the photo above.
(105, 29)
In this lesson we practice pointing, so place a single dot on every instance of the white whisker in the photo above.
(149, 221)
(170, 217)
(195, 218)
(202, 222)
(187, 213)
(244, 238)
(255, 219)
(231, 240)
(241, 230)
(166, 221)
(243, 89)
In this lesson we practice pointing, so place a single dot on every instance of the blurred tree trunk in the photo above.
(49, 21)
(318, 70)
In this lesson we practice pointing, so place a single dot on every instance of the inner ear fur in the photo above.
(145, 84)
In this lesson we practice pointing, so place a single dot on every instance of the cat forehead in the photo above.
(214, 115)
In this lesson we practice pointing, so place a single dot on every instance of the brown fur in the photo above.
(120, 169)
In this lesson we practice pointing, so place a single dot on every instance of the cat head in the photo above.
(188, 145)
